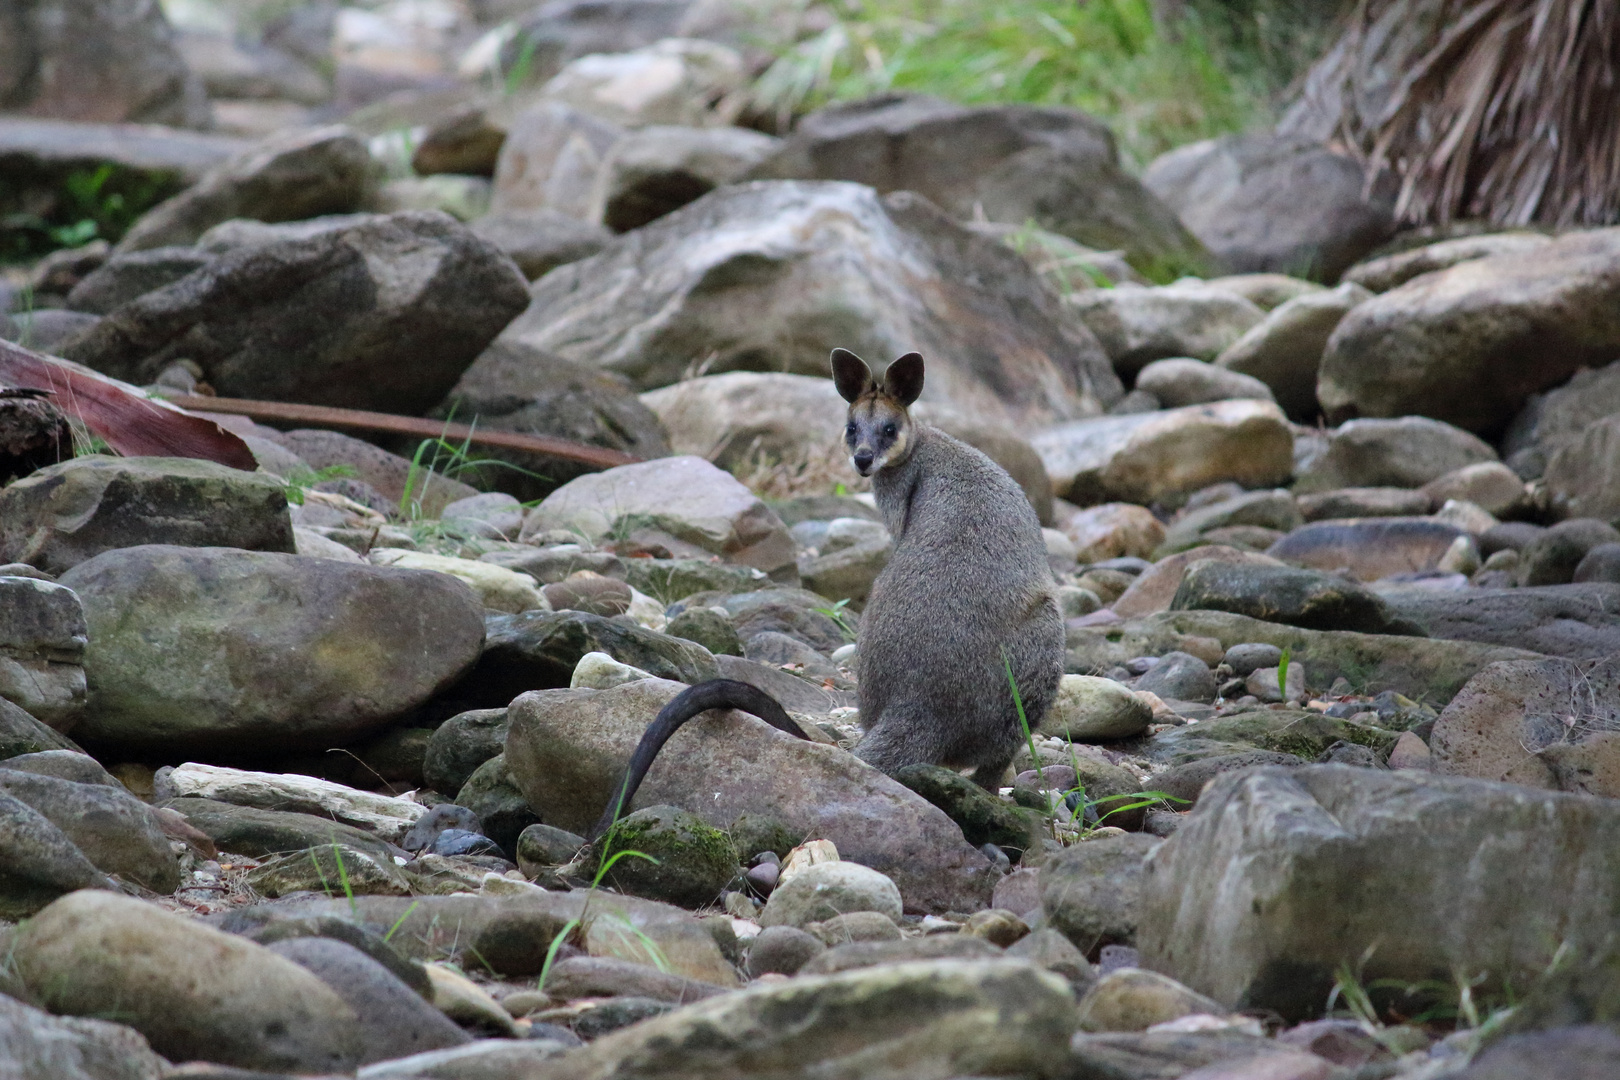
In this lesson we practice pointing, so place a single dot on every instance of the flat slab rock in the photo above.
(567, 748)
(387, 817)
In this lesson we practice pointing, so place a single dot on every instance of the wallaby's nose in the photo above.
(863, 461)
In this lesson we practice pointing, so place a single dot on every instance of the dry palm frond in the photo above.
(1505, 110)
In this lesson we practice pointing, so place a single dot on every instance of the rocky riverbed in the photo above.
(296, 764)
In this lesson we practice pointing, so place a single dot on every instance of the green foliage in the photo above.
(839, 614)
(100, 201)
(576, 927)
(1110, 57)
(1282, 672)
(1023, 720)
(448, 459)
(301, 480)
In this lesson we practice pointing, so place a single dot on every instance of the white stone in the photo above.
(497, 587)
(599, 671)
(388, 817)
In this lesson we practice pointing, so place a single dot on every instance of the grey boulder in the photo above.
(756, 275)
(290, 177)
(1056, 167)
(1281, 876)
(1277, 203)
(64, 514)
(1469, 344)
(93, 953)
(329, 315)
(215, 647)
(42, 639)
(117, 832)
(46, 1047)
(925, 1018)
(567, 748)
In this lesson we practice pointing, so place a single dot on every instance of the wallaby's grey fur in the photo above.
(968, 584)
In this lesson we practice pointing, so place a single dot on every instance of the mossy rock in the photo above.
(1430, 670)
(709, 628)
(754, 833)
(336, 870)
(669, 580)
(694, 860)
(1300, 732)
(984, 819)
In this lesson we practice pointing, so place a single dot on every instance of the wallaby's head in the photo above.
(879, 432)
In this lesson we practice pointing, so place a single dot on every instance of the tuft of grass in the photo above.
(300, 481)
(1158, 83)
(1282, 673)
(575, 927)
(1023, 720)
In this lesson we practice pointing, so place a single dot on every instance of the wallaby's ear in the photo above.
(850, 374)
(904, 379)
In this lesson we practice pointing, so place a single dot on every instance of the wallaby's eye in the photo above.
(849, 429)
(890, 431)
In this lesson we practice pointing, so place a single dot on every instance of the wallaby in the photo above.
(966, 597)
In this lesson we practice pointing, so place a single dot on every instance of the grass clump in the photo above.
(1158, 82)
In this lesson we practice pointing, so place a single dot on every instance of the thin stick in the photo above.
(359, 420)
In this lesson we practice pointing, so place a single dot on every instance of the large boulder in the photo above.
(1055, 167)
(1143, 457)
(683, 497)
(757, 275)
(381, 312)
(1285, 350)
(1286, 594)
(1386, 272)
(46, 1047)
(512, 387)
(42, 638)
(550, 160)
(100, 61)
(193, 991)
(1368, 548)
(655, 170)
(929, 1018)
(1583, 476)
(117, 832)
(1273, 203)
(1517, 720)
(1408, 452)
(302, 174)
(567, 748)
(1581, 622)
(62, 515)
(1140, 325)
(1469, 344)
(220, 650)
(1281, 877)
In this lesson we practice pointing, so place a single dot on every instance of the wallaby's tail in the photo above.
(714, 694)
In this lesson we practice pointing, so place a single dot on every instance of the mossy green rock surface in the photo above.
(1287, 594)
(1299, 732)
(1425, 669)
(64, 514)
(983, 818)
(669, 580)
(198, 649)
(689, 861)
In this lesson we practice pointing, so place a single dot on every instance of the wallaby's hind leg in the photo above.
(991, 774)
(900, 737)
